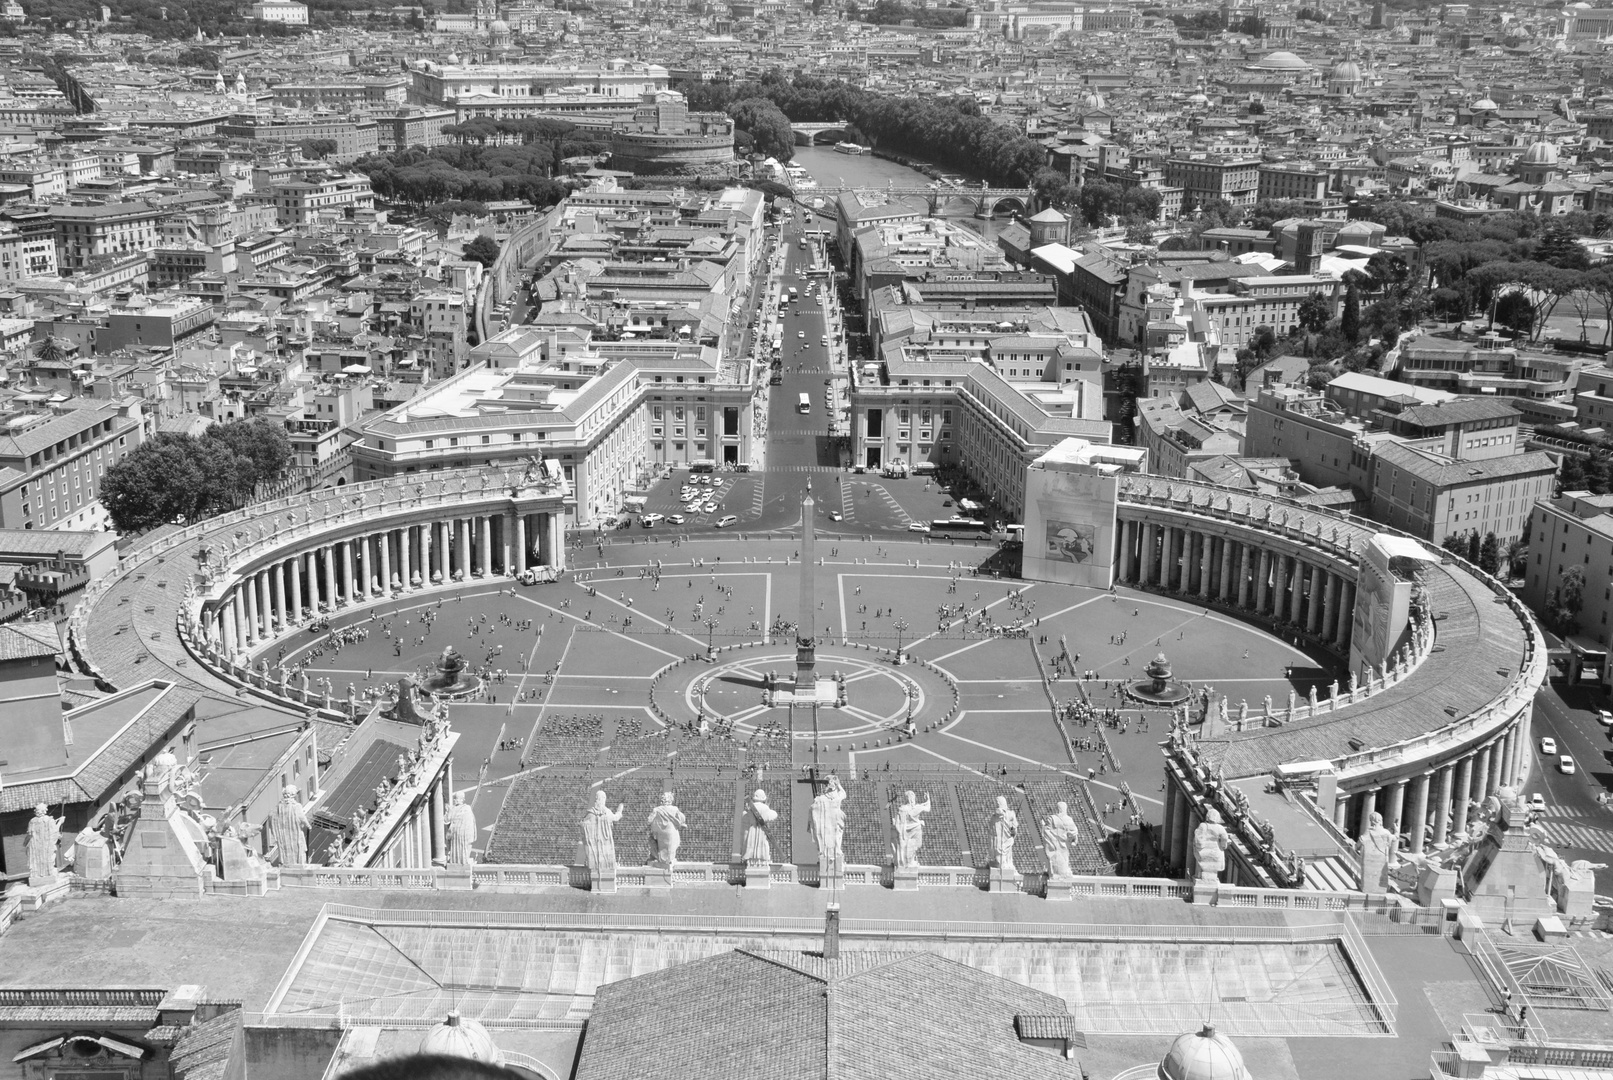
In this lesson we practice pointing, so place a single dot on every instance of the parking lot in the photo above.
(711, 497)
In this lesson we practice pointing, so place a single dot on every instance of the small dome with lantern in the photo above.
(1203, 1055)
(1541, 153)
(459, 1037)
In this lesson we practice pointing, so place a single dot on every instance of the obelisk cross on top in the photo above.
(806, 634)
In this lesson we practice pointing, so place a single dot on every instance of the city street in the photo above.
(1575, 825)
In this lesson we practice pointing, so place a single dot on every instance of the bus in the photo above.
(805, 404)
(960, 526)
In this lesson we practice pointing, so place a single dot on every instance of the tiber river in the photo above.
(865, 170)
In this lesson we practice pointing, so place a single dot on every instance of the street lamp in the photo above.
(711, 630)
(901, 626)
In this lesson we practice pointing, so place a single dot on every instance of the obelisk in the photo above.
(806, 634)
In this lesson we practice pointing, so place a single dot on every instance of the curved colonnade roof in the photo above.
(129, 632)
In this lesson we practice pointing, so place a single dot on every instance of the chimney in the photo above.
(831, 932)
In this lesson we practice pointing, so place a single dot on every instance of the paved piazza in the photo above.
(583, 658)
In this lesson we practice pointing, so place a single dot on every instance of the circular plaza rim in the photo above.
(156, 618)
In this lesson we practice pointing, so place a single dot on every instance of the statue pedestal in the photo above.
(602, 883)
(1060, 888)
(758, 875)
(1205, 890)
(905, 879)
(1004, 882)
(1434, 884)
(92, 862)
(831, 880)
(455, 877)
(657, 876)
(1374, 870)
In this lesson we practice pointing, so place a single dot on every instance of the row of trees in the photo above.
(177, 477)
(420, 177)
(948, 132)
(894, 13)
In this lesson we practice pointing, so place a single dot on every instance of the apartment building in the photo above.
(1203, 179)
(83, 233)
(27, 247)
(1296, 183)
(51, 464)
(1573, 529)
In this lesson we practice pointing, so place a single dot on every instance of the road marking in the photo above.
(1578, 836)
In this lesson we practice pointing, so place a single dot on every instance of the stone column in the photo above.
(1296, 601)
(464, 531)
(1244, 584)
(1206, 567)
(1226, 569)
(277, 594)
(1330, 605)
(1341, 810)
(557, 540)
(1509, 761)
(1170, 555)
(226, 625)
(1396, 807)
(297, 566)
(1149, 538)
(347, 570)
(1461, 793)
(487, 546)
(1167, 835)
(265, 605)
(520, 543)
(1181, 835)
(406, 555)
(1128, 555)
(1346, 615)
(251, 590)
(1419, 810)
(1313, 616)
(385, 538)
(1444, 780)
(1481, 773)
(1276, 594)
(439, 848)
(1369, 803)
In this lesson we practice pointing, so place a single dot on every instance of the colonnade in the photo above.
(1212, 567)
(373, 565)
(1434, 804)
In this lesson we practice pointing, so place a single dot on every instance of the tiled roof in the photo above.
(776, 1016)
(203, 1051)
(23, 640)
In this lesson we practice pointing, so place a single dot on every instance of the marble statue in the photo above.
(44, 838)
(1004, 829)
(909, 828)
(288, 830)
(758, 849)
(666, 823)
(461, 830)
(827, 826)
(1059, 835)
(1210, 842)
(1377, 846)
(599, 838)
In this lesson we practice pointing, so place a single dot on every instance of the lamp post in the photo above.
(901, 627)
(711, 630)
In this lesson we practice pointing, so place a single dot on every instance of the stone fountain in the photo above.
(452, 677)
(1158, 687)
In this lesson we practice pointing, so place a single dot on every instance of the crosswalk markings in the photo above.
(756, 498)
(804, 468)
(1586, 837)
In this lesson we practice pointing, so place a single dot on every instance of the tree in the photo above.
(260, 449)
(318, 149)
(173, 477)
(1313, 313)
(767, 126)
(1566, 600)
(1514, 312)
(1560, 247)
(50, 351)
(482, 249)
(1350, 320)
(1490, 554)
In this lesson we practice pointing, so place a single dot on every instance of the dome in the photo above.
(1093, 100)
(1282, 60)
(1541, 153)
(1198, 99)
(1484, 104)
(500, 27)
(1346, 71)
(1203, 1055)
(458, 1037)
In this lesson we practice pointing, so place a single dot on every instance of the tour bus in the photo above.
(960, 525)
(805, 404)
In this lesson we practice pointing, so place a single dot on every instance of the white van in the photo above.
(727, 520)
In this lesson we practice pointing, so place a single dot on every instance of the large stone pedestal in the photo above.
(905, 879)
(1004, 881)
(599, 883)
(1434, 884)
(658, 877)
(1060, 889)
(758, 876)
